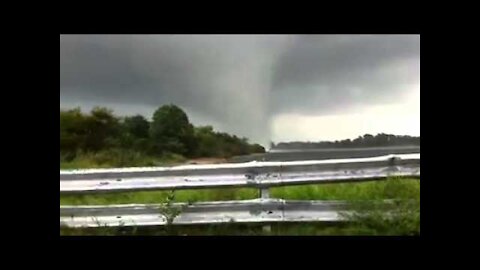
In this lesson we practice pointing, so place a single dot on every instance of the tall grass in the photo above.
(118, 158)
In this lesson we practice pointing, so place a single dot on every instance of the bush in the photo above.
(109, 158)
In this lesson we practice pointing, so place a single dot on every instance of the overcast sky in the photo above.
(264, 87)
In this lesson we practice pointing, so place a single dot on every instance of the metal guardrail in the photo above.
(253, 174)
(261, 175)
(248, 211)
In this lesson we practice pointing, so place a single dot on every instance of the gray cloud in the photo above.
(321, 74)
(237, 82)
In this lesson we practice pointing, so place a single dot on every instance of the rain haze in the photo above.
(263, 87)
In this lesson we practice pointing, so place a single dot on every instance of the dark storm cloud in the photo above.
(319, 74)
(238, 82)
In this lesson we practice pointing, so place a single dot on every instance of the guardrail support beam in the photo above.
(265, 194)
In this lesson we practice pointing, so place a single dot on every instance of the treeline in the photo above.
(367, 140)
(169, 132)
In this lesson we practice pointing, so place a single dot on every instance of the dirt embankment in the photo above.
(206, 161)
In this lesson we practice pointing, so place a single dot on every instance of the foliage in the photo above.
(100, 139)
(219, 144)
(171, 131)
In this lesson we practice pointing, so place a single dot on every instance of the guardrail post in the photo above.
(265, 194)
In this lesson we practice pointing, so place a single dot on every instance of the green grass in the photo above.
(379, 190)
(160, 196)
(394, 188)
(118, 158)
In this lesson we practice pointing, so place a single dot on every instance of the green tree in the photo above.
(256, 148)
(381, 139)
(102, 128)
(207, 144)
(137, 126)
(72, 131)
(134, 134)
(171, 131)
(368, 140)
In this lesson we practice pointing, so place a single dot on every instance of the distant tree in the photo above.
(358, 141)
(171, 131)
(381, 139)
(207, 144)
(366, 140)
(102, 127)
(256, 148)
(137, 126)
(72, 130)
(346, 143)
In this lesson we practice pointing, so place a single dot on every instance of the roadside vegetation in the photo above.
(100, 139)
